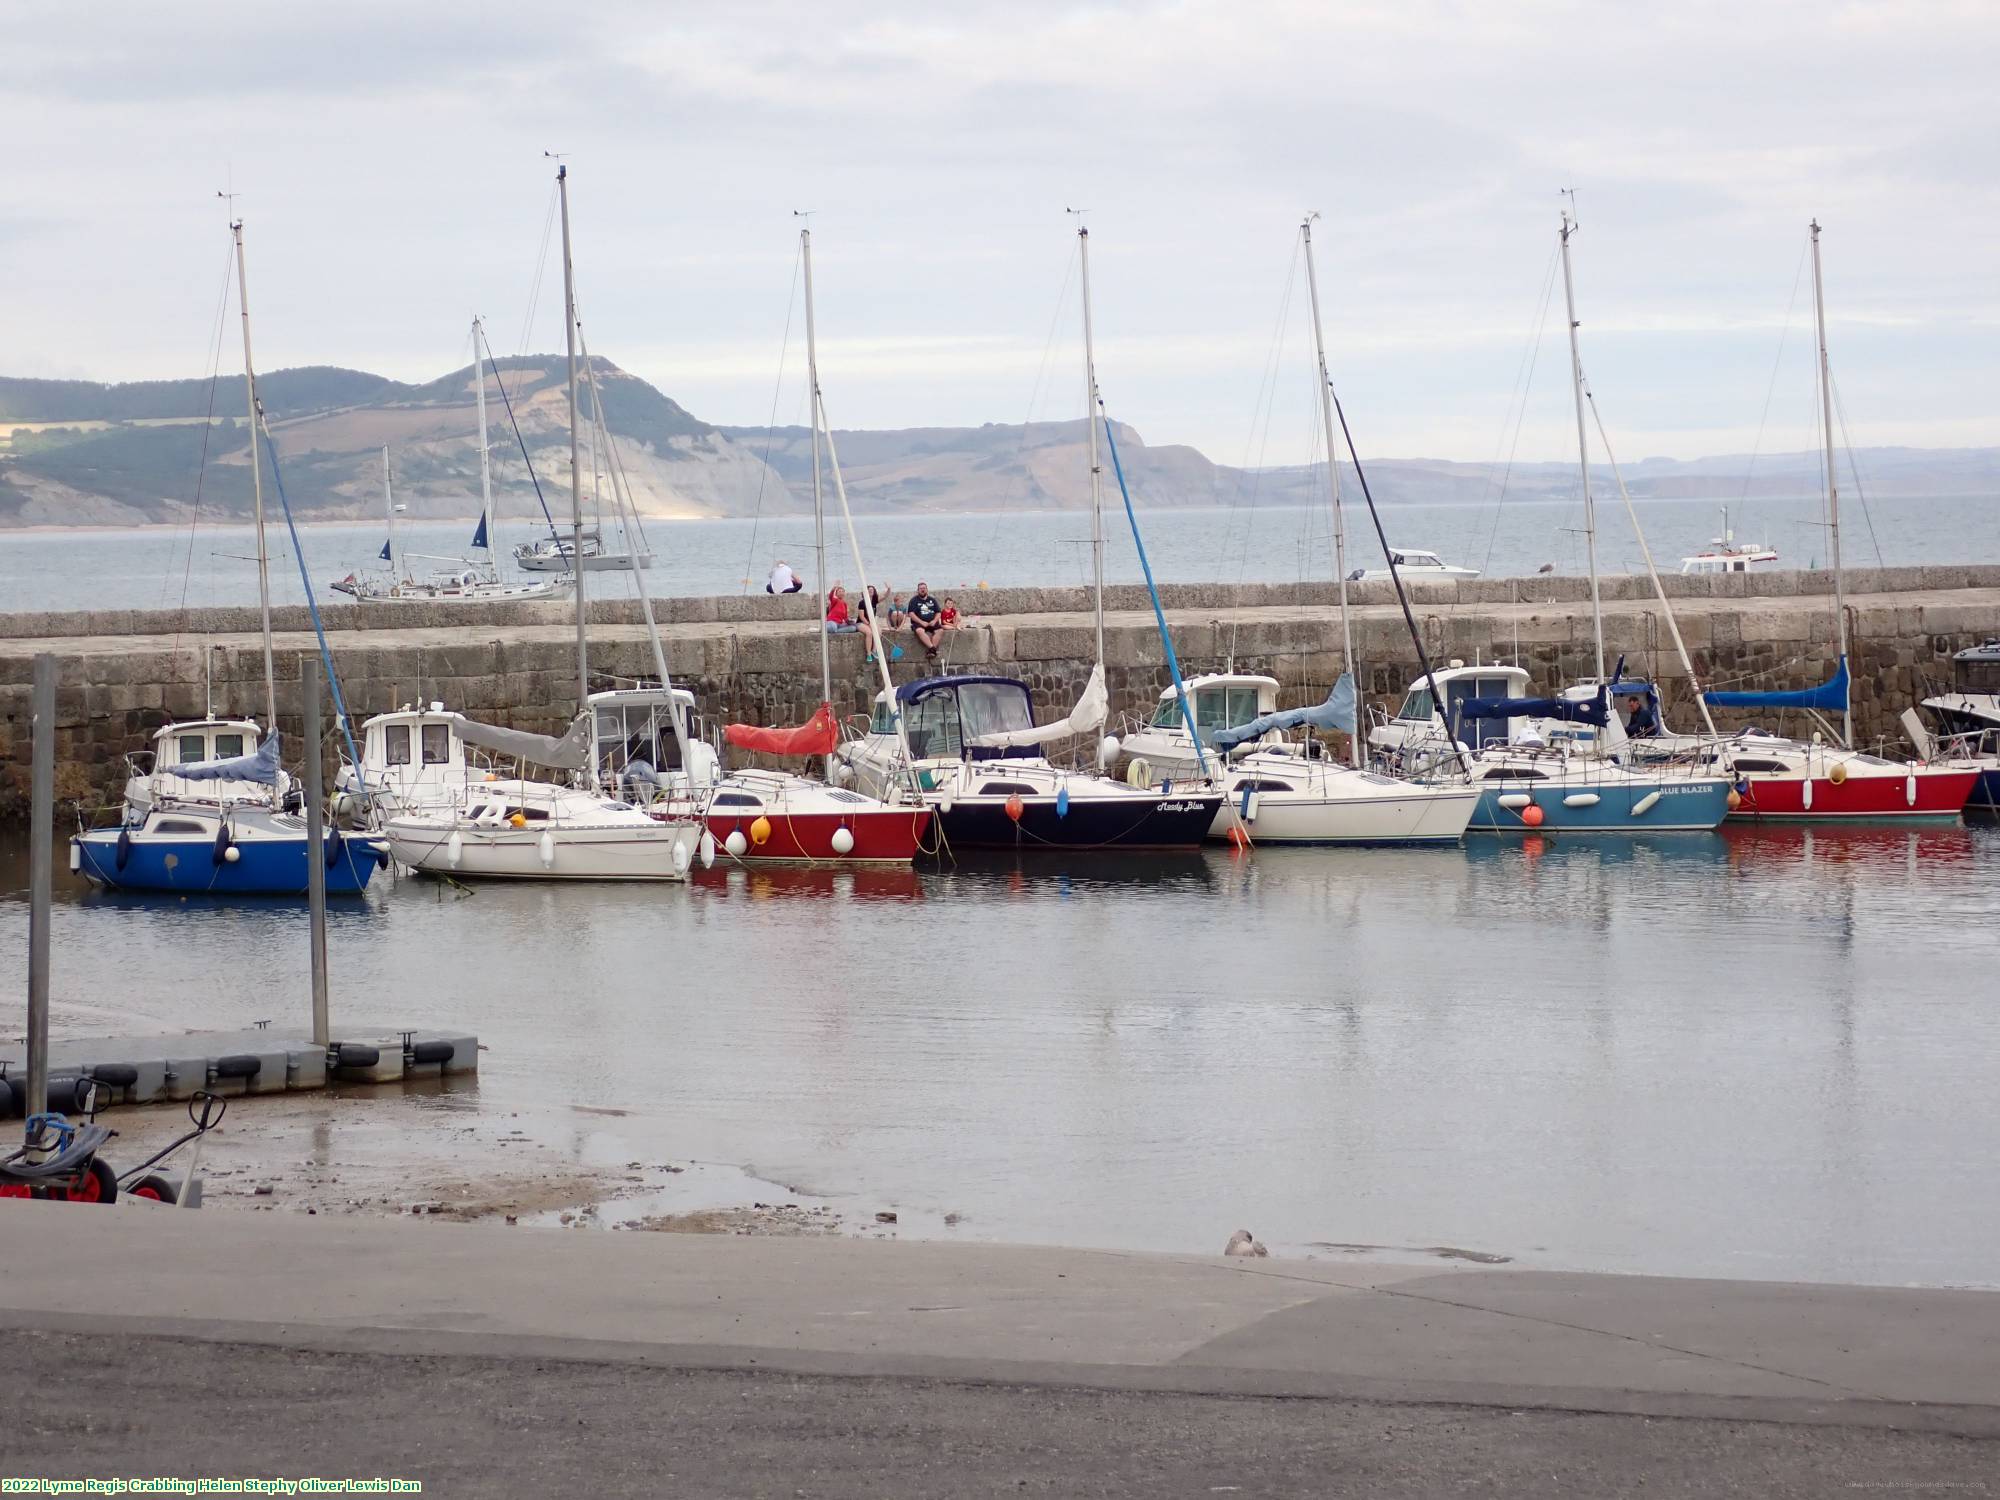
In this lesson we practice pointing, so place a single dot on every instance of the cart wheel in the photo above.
(153, 1185)
(97, 1184)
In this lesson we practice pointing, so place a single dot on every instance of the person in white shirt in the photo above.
(783, 580)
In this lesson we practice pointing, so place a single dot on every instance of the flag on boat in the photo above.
(817, 736)
(384, 554)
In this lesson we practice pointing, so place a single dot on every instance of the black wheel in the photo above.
(155, 1186)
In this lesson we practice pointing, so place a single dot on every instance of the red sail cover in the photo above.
(817, 736)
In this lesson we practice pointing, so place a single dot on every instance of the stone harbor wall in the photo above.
(756, 659)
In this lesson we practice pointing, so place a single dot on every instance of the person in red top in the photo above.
(949, 619)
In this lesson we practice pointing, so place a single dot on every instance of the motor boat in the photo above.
(1416, 567)
(1969, 716)
(997, 796)
(554, 553)
(753, 816)
(1727, 555)
(209, 810)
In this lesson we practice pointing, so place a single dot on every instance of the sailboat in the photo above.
(463, 581)
(756, 816)
(1794, 780)
(1563, 770)
(522, 827)
(556, 553)
(209, 810)
(1280, 790)
(972, 747)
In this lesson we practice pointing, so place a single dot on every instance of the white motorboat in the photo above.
(553, 554)
(1727, 555)
(1416, 566)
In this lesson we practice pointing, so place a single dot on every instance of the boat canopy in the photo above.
(819, 735)
(1337, 712)
(1830, 696)
(1087, 717)
(569, 753)
(260, 765)
(1573, 710)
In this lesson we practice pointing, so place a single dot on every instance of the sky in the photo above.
(388, 161)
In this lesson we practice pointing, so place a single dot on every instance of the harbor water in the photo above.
(1762, 1053)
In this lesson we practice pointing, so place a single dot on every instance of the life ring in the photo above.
(1138, 773)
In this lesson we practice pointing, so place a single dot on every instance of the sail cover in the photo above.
(1088, 716)
(1830, 695)
(819, 735)
(479, 536)
(569, 753)
(1336, 713)
(1583, 711)
(260, 765)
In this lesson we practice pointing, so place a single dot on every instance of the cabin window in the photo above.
(194, 749)
(1242, 705)
(1979, 676)
(932, 724)
(994, 708)
(396, 744)
(883, 720)
(530, 814)
(1766, 767)
(228, 746)
(1417, 706)
(1168, 714)
(1211, 709)
(1505, 773)
(437, 744)
(733, 799)
(178, 825)
(1007, 789)
(1265, 786)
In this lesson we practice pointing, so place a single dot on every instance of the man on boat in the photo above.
(783, 580)
(924, 612)
(1640, 720)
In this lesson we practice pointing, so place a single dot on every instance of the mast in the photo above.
(389, 505)
(1096, 473)
(819, 503)
(485, 458)
(1832, 489)
(1333, 490)
(256, 486)
(1583, 448)
(575, 472)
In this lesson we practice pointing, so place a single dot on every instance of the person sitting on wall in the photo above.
(949, 619)
(783, 580)
(897, 614)
(839, 621)
(924, 613)
(1641, 722)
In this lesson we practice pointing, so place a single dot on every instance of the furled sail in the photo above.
(1830, 696)
(819, 735)
(1088, 716)
(569, 753)
(1575, 710)
(1336, 713)
(260, 765)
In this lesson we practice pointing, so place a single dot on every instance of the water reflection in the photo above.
(1767, 1052)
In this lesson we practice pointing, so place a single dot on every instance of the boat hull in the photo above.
(188, 866)
(1983, 805)
(889, 836)
(1684, 805)
(1302, 818)
(1174, 820)
(662, 851)
(1931, 795)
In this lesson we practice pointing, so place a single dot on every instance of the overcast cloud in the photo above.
(388, 158)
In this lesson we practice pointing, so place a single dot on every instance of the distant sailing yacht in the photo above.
(468, 582)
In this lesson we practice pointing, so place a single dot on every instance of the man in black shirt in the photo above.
(1640, 721)
(924, 612)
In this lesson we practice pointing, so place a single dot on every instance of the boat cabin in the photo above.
(1976, 669)
(201, 740)
(413, 755)
(635, 725)
(942, 715)
(1419, 718)
(1220, 700)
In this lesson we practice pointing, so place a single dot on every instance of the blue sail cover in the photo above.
(260, 765)
(384, 553)
(479, 536)
(1830, 695)
(1336, 713)
(1585, 711)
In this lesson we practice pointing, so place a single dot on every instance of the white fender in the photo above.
(1514, 801)
(1646, 804)
(1808, 794)
(1107, 752)
(682, 857)
(231, 854)
(1584, 799)
(75, 856)
(546, 847)
(843, 841)
(454, 848)
(1910, 789)
(707, 850)
(736, 843)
